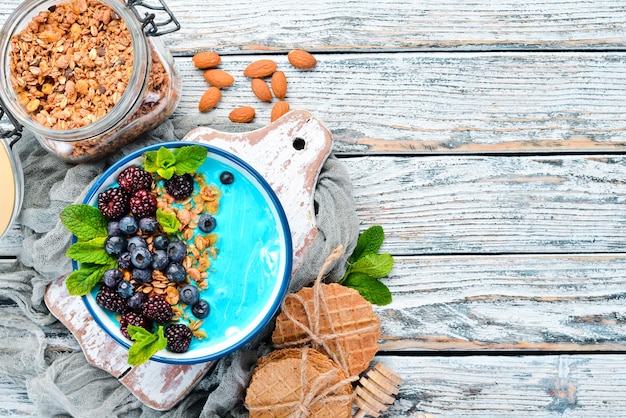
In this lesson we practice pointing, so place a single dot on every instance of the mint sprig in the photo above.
(145, 344)
(366, 266)
(90, 228)
(168, 221)
(183, 160)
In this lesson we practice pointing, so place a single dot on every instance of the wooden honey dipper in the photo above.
(376, 391)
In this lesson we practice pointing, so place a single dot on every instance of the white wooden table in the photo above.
(489, 140)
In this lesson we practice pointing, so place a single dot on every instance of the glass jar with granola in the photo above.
(85, 76)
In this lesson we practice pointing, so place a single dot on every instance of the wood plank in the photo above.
(550, 303)
(493, 205)
(242, 26)
(424, 103)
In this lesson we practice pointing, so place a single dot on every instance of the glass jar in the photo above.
(65, 74)
(11, 186)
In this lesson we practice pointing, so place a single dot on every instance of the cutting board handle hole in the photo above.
(298, 143)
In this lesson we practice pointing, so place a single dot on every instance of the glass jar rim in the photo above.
(129, 100)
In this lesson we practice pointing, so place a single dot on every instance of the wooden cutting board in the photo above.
(289, 154)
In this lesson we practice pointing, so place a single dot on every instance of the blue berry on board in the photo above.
(134, 178)
(189, 295)
(161, 242)
(201, 309)
(128, 225)
(141, 275)
(148, 225)
(125, 289)
(136, 301)
(136, 242)
(179, 187)
(157, 309)
(113, 203)
(227, 177)
(123, 261)
(176, 251)
(160, 261)
(178, 337)
(143, 204)
(115, 245)
(207, 223)
(176, 273)
(112, 278)
(141, 257)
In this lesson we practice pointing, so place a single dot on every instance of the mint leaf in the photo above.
(91, 251)
(168, 221)
(373, 290)
(145, 344)
(162, 161)
(375, 265)
(369, 242)
(84, 221)
(189, 159)
(81, 281)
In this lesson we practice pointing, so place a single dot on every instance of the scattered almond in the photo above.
(300, 58)
(260, 90)
(279, 109)
(260, 68)
(218, 78)
(209, 99)
(243, 114)
(279, 84)
(206, 59)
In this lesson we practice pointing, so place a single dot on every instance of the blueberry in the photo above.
(159, 260)
(136, 300)
(176, 251)
(201, 309)
(113, 228)
(125, 289)
(136, 242)
(176, 273)
(148, 225)
(142, 275)
(206, 223)
(189, 294)
(161, 242)
(115, 245)
(141, 257)
(112, 278)
(227, 177)
(128, 225)
(123, 261)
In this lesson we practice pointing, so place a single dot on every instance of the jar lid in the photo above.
(10, 187)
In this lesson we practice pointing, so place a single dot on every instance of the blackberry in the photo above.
(143, 204)
(132, 179)
(111, 300)
(113, 203)
(157, 309)
(133, 318)
(178, 337)
(180, 187)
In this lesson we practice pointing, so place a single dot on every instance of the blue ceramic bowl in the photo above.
(250, 274)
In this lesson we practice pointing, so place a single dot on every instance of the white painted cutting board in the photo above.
(289, 154)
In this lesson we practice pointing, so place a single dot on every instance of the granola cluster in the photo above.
(71, 64)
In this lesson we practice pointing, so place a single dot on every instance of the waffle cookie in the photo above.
(299, 383)
(333, 319)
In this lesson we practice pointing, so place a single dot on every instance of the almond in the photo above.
(260, 90)
(260, 68)
(203, 60)
(279, 84)
(279, 109)
(218, 78)
(299, 58)
(209, 99)
(243, 114)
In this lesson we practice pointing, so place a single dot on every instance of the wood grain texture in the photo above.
(240, 26)
(534, 302)
(480, 205)
(424, 103)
